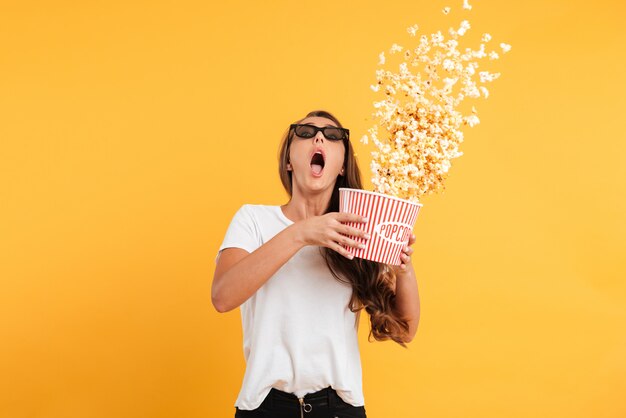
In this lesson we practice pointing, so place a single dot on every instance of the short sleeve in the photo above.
(243, 232)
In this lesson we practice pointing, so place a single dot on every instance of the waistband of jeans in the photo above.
(323, 396)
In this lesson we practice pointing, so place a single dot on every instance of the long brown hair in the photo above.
(371, 281)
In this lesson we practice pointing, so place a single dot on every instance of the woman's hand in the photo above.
(405, 257)
(329, 231)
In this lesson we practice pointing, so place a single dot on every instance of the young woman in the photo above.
(301, 292)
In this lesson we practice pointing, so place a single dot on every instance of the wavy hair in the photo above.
(371, 281)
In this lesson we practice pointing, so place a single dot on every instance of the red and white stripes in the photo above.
(390, 223)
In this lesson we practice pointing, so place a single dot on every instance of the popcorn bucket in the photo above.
(390, 223)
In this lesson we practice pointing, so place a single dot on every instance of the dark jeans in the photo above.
(323, 404)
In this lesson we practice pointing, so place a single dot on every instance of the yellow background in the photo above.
(131, 132)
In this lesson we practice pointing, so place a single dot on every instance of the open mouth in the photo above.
(317, 163)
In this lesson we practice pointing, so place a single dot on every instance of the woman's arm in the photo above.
(407, 295)
(239, 274)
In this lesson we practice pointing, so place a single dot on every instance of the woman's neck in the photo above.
(304, 209)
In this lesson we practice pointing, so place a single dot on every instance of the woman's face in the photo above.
(301, 155)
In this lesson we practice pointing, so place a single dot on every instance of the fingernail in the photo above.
(367, 236)
(361, 246)
(365, 219)
(350, 256)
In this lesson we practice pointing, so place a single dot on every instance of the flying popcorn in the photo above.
(418, 119)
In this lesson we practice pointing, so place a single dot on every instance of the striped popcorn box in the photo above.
(390, 223)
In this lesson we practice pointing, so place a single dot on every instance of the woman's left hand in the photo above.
(405, 257)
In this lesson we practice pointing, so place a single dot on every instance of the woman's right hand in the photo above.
(328, 231)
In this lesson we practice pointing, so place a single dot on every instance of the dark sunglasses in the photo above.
(331, 133)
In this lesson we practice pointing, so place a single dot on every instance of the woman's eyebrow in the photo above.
(327, 126)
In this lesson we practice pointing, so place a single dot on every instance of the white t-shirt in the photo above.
(299, 335)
